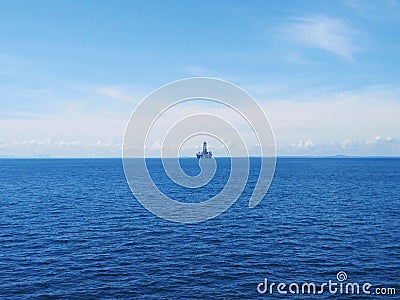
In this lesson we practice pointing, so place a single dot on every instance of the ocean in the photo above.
(72, 229)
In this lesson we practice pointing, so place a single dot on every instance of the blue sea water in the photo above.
(71, 229)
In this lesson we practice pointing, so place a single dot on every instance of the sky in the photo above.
(326, 73)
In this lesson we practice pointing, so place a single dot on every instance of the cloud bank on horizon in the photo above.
(325, 73)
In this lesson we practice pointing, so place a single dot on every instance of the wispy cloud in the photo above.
(382, 11)
(116, 93)
(356, 115)
(323, 33)
(86, 120)
(320, 122)
(51, 147)
(377, 146)
(303, 144)
(197, 71)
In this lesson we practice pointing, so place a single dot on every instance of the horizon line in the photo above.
(156, 157)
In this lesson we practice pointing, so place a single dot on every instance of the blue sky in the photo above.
(325, 72)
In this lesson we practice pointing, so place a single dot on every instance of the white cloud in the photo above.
(355, 122)
(87, 121)
(323, 33)
(156, 146)
(380, 140)
(382, 11)
(117, 93)
(335, 117)
(303, 144)
(378, 146)
(198, 71)
(52, 147)
(71, 143)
